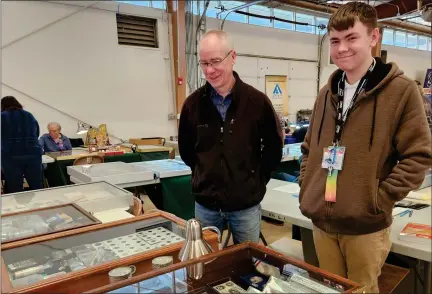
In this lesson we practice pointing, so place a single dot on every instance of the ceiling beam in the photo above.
(327, 9)
(177, 11)
(390, 9)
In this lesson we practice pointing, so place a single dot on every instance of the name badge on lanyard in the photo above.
(334, 155)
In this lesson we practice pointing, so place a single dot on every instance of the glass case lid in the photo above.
(92, 197)
(34, 263)
(44, 221)
(244, 268)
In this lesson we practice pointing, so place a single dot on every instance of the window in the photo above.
(211, 9)
(321, 21)
(387, 38)
(234, 16)
(283, 14)
(139, 3)
(422, 43)
(159, 4)
(305, 18)
(198, 8)
(260, 10)
(412, 41)
(195, 5)
(136, 31)
(430, 44)
(400, 39)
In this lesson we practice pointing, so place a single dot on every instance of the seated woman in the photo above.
(54, 141)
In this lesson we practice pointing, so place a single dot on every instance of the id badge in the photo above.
(333, 157)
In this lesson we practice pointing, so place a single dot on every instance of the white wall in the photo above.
(302, 76)
(414, 63)
(77, 66)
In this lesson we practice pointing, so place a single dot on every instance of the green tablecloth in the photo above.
(177, 196)
(147, 156)
(56, 172)
(173, 195)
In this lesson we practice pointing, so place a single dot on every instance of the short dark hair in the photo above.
(10, 102)
(346, 16)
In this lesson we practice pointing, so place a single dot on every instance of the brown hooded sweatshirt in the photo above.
(388, 150)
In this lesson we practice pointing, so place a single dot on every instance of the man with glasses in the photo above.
(230, 136)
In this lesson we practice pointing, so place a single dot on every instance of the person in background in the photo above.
(231, 138)
(54, 141)
(427, 105)
(21, 154)
(376, 113)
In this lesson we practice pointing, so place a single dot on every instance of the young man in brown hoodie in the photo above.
(368, 146)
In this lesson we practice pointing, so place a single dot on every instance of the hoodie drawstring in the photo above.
(373, 123)
(322, 118)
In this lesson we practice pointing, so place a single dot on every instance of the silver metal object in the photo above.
(195, 246)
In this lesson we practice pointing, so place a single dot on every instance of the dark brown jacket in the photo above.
(230, 169)
(388, 150)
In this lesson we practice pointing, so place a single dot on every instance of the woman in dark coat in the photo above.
(21, 154)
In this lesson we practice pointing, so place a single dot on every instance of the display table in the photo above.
(56, 172)
(118, 173)
(284, 206)
(243, 268)
(78, 261)
(94, 198)
(291, 152)
(47, 159)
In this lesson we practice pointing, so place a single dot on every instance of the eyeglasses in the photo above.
(214, 63)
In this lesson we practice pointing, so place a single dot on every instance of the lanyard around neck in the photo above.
(341, 117)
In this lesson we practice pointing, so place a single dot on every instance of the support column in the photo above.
(177, 10)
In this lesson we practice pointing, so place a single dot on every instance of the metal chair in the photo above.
(89, 159)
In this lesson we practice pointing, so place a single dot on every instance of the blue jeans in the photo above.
(15, 168)
(245, 224)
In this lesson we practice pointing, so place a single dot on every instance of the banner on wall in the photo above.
(276, 90)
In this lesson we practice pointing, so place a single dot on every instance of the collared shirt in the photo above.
(49, 145)
(221, 103)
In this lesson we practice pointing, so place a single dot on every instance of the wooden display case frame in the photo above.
(32, 211)
(84, 280)
(283, 259)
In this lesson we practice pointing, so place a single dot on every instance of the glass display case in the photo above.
(51, 264)
(43, 221)
(244, 268)
(92, 197)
